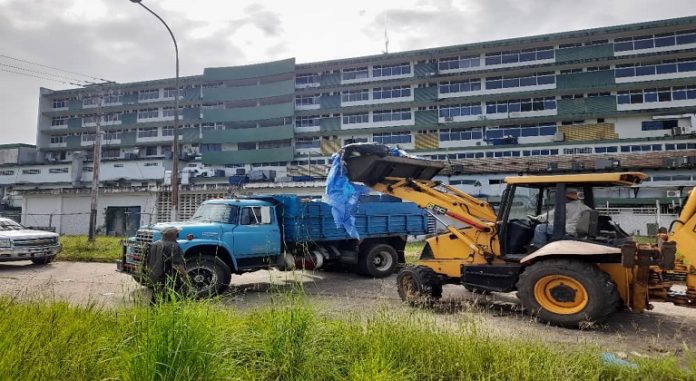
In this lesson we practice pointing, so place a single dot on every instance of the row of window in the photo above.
(525, 55)
(545, 78)
(666, 67)
(665, 94)
(377, 71)
(654, 41)
(378, 116)
(117, 97)
(521, 105)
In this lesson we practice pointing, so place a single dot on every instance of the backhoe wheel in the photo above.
(378, 260)
(207, 276)
(567, 293)
(418, 285)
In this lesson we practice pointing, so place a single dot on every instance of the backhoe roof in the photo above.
(594, 179)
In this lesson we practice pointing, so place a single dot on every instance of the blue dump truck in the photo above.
(246, 234)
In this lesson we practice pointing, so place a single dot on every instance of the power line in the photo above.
(47, 74)
(40, 77)
(54, 68)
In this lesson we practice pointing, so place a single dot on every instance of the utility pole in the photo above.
(96, 160)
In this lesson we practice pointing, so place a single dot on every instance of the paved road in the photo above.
(665, 329)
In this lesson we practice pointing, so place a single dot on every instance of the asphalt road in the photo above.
(666, 329)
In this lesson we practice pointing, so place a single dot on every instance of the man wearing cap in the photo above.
(544, 230)
(165, 266)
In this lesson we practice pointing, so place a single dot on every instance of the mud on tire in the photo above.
(419, 285)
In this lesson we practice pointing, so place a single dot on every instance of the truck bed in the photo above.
(376, 216)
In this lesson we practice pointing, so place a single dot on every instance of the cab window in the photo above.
(256, 215)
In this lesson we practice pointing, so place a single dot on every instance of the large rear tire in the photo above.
(207, 276)
(418, 285)
(567, 293)
(378, 260)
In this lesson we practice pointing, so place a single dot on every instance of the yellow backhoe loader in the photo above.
(572, 279)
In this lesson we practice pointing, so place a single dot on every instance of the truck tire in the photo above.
(207, 276)
(568, 293)
(418, 285)
(378, 260)
(43, 260)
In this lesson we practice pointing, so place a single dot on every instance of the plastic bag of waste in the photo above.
(343, 196)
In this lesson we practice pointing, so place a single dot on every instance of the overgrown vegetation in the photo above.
(78, 248)
(288, 341)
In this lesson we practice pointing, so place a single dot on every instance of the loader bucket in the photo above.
(371, 169)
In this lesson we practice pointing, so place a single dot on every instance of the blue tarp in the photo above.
(343, 196)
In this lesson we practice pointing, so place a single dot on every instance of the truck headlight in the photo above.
(5, 243)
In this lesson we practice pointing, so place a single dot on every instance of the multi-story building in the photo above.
(614, 98)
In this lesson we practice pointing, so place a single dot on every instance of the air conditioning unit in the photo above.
(449, 119)
(559, 137)
(673, 193)
(679, 130)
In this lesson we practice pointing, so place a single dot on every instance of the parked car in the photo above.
(18, 243)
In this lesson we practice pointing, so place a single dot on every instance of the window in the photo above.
(465, 109)
(112, 117)
(166, 150)
(464, 62)
(144, 95)
(150, 132)
(307, 121)
(249, 146)
(391, 92)
(57, 139)
(151, 151)
(534, 54)
(256, 215)
(356, 118)
(216, 147)
(577, 151)
(168, 112)
(213, 106)
(31, 171)
(213, 126)
(274, 144)
(168, 131)
(459, 134)
(391, 115)
(59, 121)
(655, 41)
(308, 142)
(88, 137)
(7, 172)
(91, 100)
(391, 70)
(170, 92)
(306, 79)
(148, 113)
(60, 103)
(663, 67)
(306, 100)
(111, 153)
(665, 94)
(543, 78)
(355, 95)
(355, 73)
(392, 137)
(521, 130)
(112, 135)
(113, 98)
(460, 86)
(521, 105)
(653, 125)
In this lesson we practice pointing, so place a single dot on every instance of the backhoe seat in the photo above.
(519, 234)
(588, 224)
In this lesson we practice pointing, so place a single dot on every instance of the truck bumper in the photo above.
(131, 262)
(27, 253)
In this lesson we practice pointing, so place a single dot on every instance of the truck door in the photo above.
(258, 234)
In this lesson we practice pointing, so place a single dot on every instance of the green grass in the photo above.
(287, 341)
(78, 248)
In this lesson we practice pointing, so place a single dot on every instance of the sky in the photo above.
(120, 41)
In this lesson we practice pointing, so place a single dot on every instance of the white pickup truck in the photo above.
(18, 243)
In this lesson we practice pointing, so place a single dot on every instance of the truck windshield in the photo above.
(221, 213)
(9, 225)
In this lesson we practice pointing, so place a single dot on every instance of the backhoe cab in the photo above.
(573, 278)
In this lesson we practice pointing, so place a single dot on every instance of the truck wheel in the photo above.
(378, 260)
(418, 285)
(567, 293)
(207, 275)
(43, 260)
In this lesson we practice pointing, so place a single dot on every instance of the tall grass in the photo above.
(78, 248)
(185, 340)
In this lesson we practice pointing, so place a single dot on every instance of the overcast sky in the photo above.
(119, 41)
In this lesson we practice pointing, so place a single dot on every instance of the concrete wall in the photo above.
(70, 212)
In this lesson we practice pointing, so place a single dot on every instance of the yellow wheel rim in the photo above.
(560, 294)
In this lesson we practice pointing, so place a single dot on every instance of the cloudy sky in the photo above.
(119, 41)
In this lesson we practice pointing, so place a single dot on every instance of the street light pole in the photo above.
(175, 143)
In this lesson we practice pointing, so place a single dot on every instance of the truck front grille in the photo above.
(144, 237)
(35, 242)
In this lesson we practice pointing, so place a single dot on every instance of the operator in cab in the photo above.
(544, 230)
